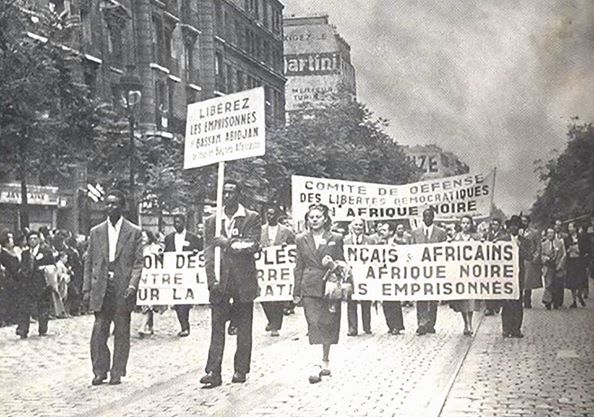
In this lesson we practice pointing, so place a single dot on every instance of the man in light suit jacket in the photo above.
(111, 276)
(239, 242)
(427, 233)
(357, 236)
(275, 234)
(182, 241)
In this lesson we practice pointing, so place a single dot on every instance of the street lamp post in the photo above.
(131, 91)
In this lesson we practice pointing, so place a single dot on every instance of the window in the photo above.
(229, 79)
(240, 86)
(265, 14)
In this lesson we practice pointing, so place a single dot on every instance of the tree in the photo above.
(47, 117)
(568, 178)
(340, 139)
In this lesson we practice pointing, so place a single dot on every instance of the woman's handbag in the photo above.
(338, 282)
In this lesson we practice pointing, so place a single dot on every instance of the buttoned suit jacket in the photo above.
(32, 278)
(309, 270)
(367, 240)
(127, 265)
(437, 235)
(238, 266)
(192, 243)
(284, 236)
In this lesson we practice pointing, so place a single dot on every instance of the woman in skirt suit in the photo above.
(317, 249)
(466, 307)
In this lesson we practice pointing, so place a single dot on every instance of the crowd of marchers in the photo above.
(47, 274)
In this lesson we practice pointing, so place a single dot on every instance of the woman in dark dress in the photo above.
(317, 251)
(577, 248)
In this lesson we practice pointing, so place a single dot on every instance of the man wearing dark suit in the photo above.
(111, 276)
(357, 236)
(182, 241)
(275, 234)
(427, 233)
(496, 233)
(35, 294)
(512, 311)
(239, 242)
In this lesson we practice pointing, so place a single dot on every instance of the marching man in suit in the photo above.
(239, 242)
(35, 294)
(427, 233)
(182, 241)
(275, 234)
(111, 276)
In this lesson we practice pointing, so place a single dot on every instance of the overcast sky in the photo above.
(495, 81)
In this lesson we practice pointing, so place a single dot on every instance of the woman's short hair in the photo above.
(149, 235)
(325, 212)
(4, 236)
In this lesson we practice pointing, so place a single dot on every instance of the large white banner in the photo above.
(450, 197)
(225, 129)
(440, 271)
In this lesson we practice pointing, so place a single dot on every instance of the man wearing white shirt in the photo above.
(111, 276)
(182, 241)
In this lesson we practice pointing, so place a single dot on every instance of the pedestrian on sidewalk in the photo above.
(181, 240)
(275, 234)
(317, 251)
(35, 294)
(532, 265)
(357, 236)
(578, 251)
(393, 309)
(239, 242)
(427, 233)
(111, 276)
(512, 312)
(150, 247)
(466, 307)
(10, 261)
(553, 269)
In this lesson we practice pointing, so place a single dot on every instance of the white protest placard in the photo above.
(173, 278)
(440, 271)
(225, 129)
(450, 197)
(275, 266)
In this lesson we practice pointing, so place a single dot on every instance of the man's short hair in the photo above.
(32, 233)
(180, 216)
(117, 193)
(233, 182)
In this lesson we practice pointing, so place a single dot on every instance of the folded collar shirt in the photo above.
(179, 239)
(229, 222)
(113, 233)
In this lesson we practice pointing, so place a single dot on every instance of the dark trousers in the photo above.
(493, 305)
(274, 311)
(558, 291)
(527, 298)
(100, 355)
(183, 315)
(393, 315)
(427, 314)
(30, 305)
(512, 315)
(242, 319)
(353, 318)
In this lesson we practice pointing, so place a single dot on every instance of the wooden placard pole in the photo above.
(219, 218)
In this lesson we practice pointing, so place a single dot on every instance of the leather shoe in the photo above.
(352, 333)
(274, 333)
(98, 379)
(184, 333)
(238, 377)
(268, 327)
(394, 332)
(431, 330)
(421, 331)
(211, 380)
(517, 335)
(115, 380)
(314, 379)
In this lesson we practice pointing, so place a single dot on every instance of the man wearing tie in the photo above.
(357, 236)
(275, 234)
(182, 241)
(111, 276)
(238, 242)
(427, 233)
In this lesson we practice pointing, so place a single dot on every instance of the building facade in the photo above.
(183, 51)
(317, 61)
(434, 162)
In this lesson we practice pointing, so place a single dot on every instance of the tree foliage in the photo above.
(568, 178)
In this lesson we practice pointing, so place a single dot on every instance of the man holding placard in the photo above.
(236, 286)
(182, 241)
(427, 233)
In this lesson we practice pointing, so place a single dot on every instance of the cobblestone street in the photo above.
(548, 373)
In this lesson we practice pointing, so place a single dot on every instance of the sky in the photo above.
(494, 81)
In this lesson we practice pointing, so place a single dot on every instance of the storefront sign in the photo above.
(36, 195)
